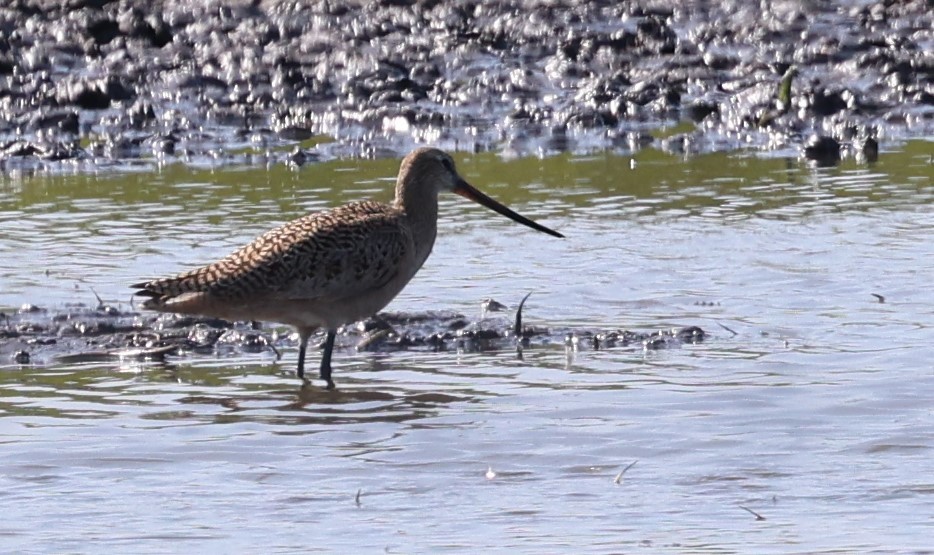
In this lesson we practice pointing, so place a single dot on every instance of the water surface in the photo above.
(810, 404)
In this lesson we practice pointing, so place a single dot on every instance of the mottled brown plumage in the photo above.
(326, 256)
(331, 268)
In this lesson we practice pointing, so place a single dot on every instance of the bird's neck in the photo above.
(420, 206)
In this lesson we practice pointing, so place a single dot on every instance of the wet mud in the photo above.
(105, 334)
(86, 84)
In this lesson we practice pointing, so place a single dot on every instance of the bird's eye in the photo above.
(448, 164)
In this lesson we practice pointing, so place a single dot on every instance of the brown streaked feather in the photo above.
(331, 254)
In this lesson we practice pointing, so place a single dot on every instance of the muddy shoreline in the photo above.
(91, 84)
(111, 335)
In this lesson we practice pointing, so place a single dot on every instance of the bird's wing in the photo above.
(331, 254)
(351, 258)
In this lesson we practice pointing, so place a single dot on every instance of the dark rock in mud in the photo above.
(103, 30)
(95, 95)
(870, 149)
(823, 150)
(66, 122)
(699, 111)
(526, 75)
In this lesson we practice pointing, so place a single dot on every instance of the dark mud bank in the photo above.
(109, 335)
(91, 83)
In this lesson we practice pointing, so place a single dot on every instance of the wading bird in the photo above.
(330, 268)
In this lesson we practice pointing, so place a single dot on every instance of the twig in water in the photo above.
(356, 499)
(878, 296)
(619, 477)
(727, 329)
(752, 512)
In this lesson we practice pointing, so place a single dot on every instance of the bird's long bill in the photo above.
(467, 191)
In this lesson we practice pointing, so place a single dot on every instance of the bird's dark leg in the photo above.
(304, 335)
(326, 358)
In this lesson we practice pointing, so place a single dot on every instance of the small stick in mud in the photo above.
(269, 344)
(752, 512)
(518, 329)
(100, 302)
(783, 98)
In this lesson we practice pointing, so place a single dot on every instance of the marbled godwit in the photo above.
(331, 268)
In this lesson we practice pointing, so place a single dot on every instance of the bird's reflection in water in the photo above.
(254, 396)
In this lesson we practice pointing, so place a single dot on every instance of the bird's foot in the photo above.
(325, 375)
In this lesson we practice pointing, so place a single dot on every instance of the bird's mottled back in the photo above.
(328, 254)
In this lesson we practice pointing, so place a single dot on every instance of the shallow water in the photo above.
(810, 404)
